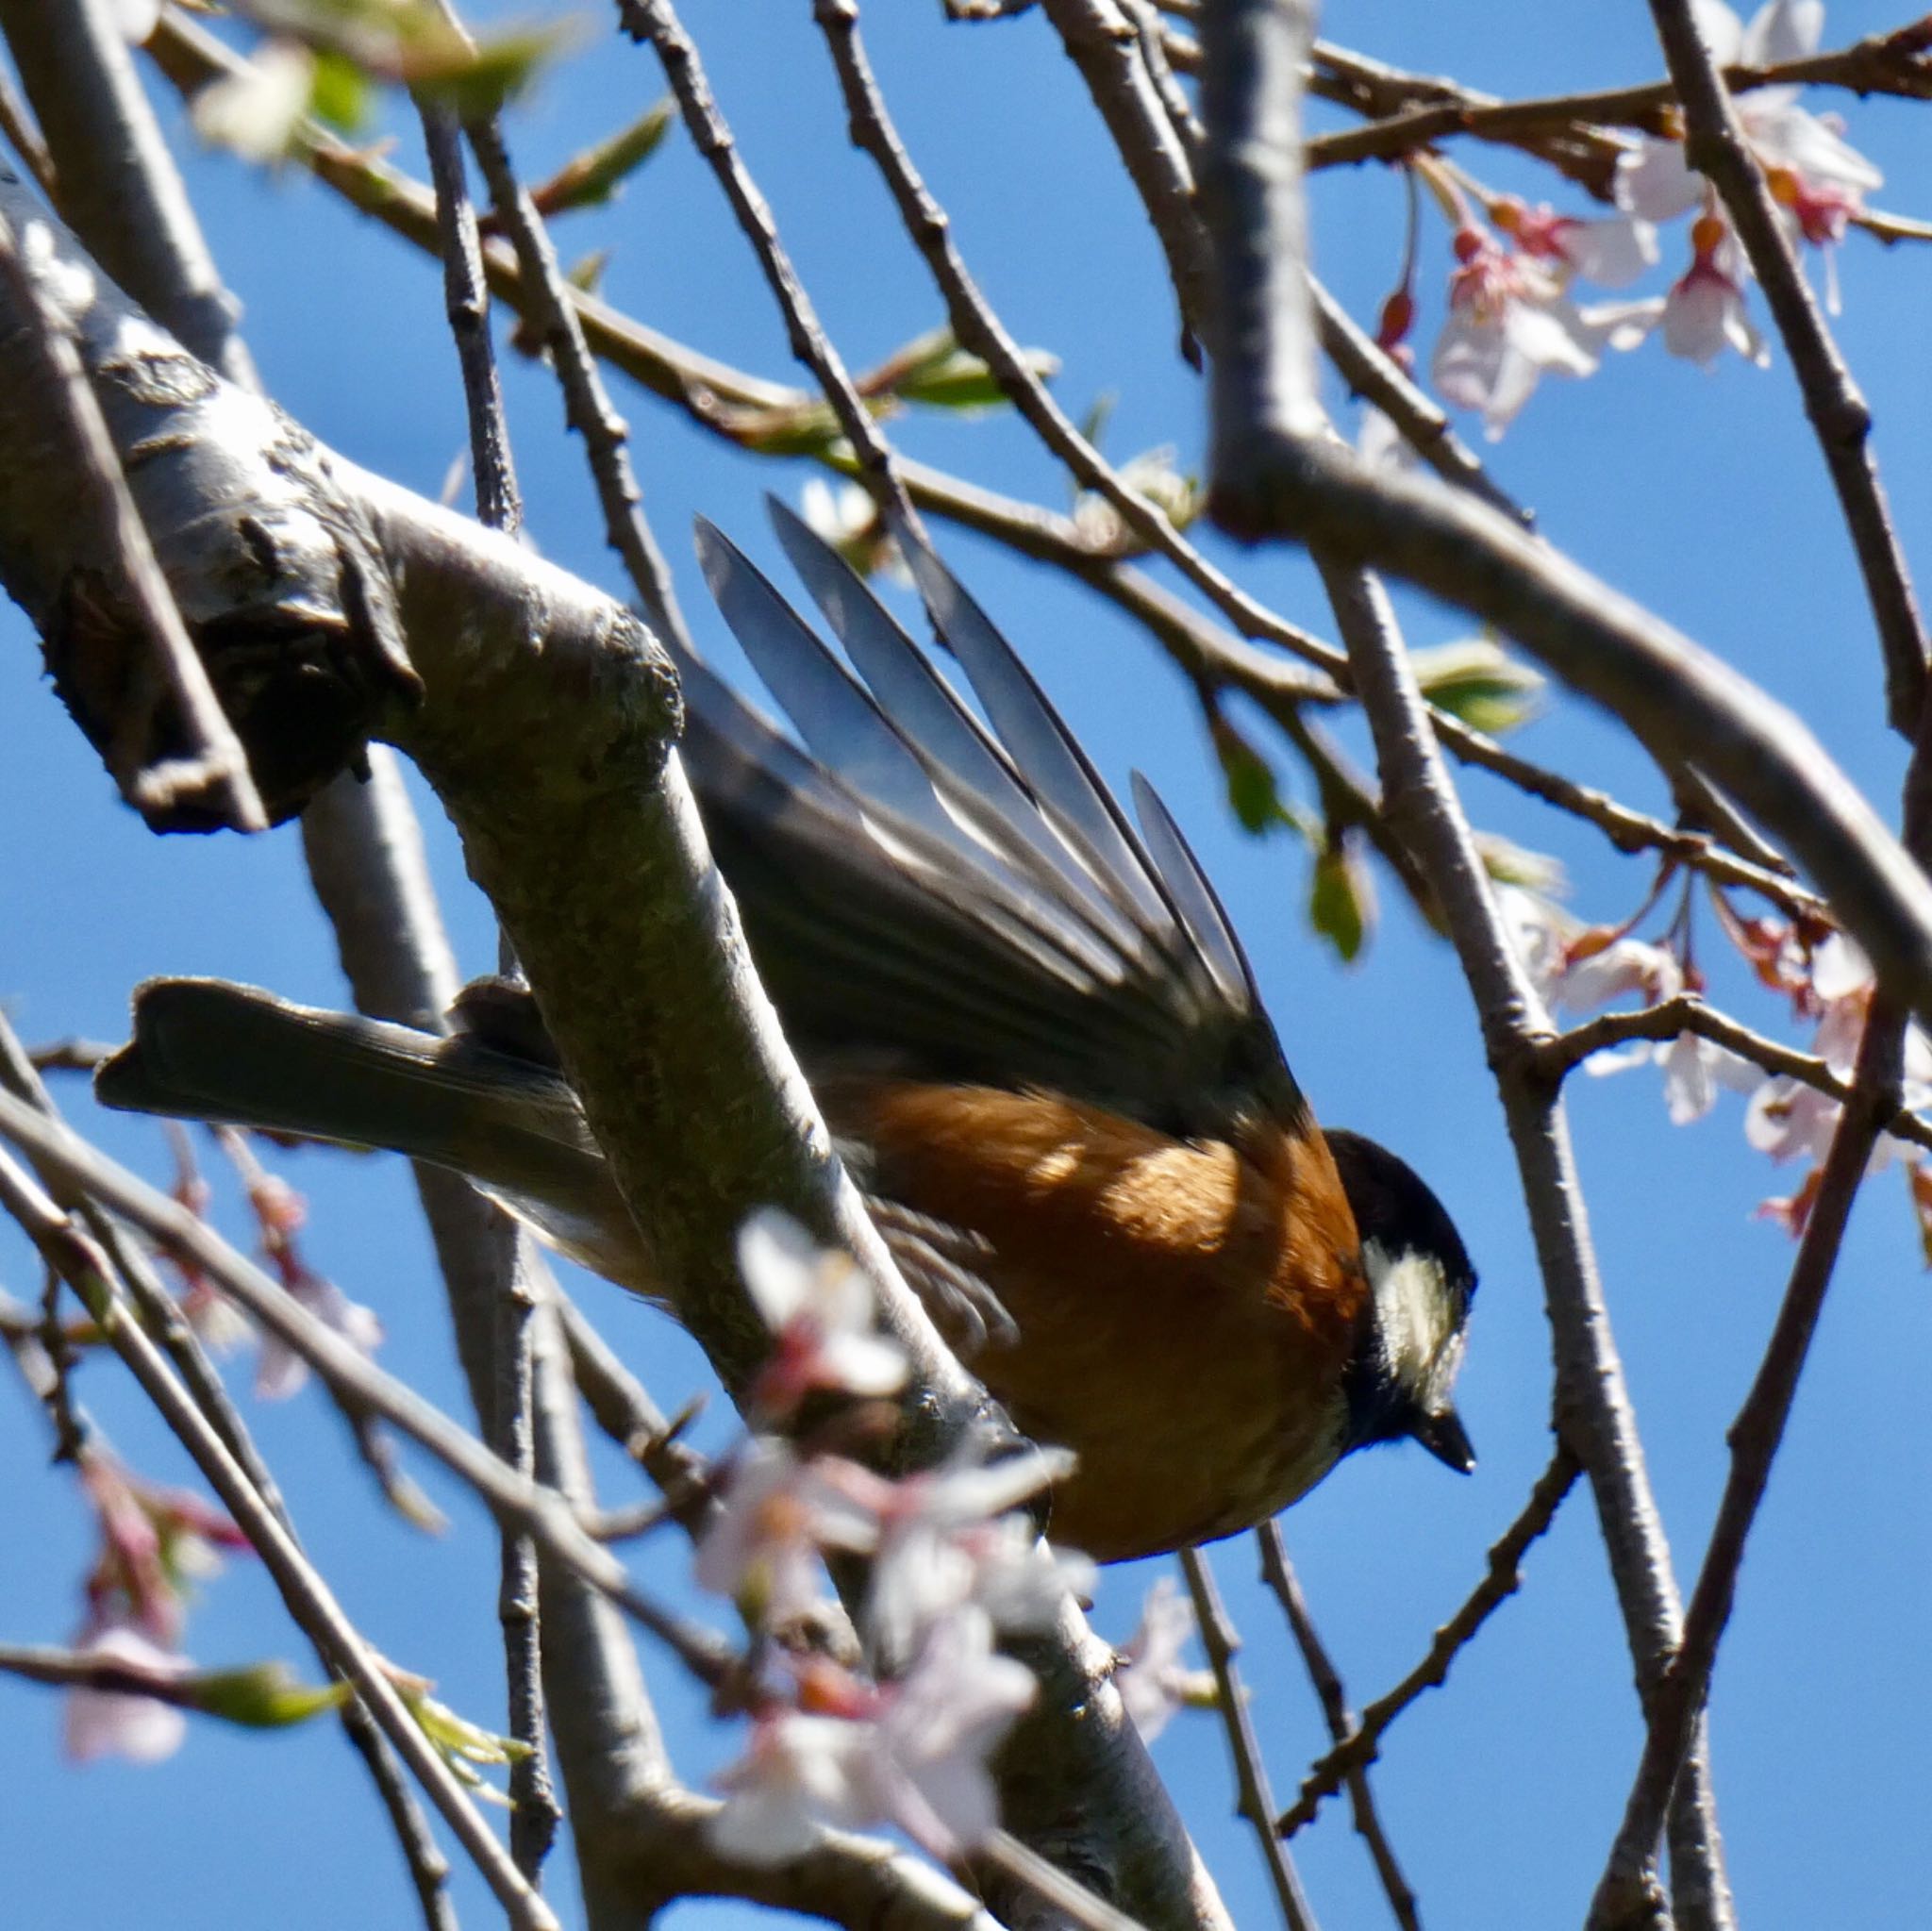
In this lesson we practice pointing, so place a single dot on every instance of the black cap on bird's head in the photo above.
(1402, 1381)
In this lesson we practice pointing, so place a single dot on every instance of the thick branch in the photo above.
(545, 708)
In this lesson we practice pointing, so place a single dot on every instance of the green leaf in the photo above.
(1342, 900)
(942, 376)
(340, 94)
(457, 1737)
(1477, 681)
(597, 174)
(475, 86)
(812, 430)
(1253, 794)
(265, 1696)
(587, 271)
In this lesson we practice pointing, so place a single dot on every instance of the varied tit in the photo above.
(1039, 1047)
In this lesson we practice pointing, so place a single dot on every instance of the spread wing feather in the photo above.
(924, 893)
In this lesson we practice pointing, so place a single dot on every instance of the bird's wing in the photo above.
(929, 897)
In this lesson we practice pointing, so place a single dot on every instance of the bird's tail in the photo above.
(204, 1049)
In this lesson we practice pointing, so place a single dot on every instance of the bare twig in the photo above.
(1378, 379)
(67, 1669)
(657, 21)
(535, 1817)
(1253, 1800)
(117, 184)
(308, 1598)
(1715, 145)
(17, 124)
(538, 1512)
(534, 1812)
(1626, 1896)
(724, 400)
(979, 330)
(72, 1055)
(466, 303)
(1592, 1403)
(1686, 1013)
(1267, 420)
(1498, 1585)
(1277, 1572)
(626, 1413)
(1892, 63)
(1101, 43)
(1051, 1886)
(587, 404)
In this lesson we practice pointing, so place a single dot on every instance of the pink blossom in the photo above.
(1817, 177)
(279, 1214)
(778, 1513)
(1149, 1674)
(948, 1539)
(912, 1752)
(114, 1722)
(280, 1371)
(1582, 967)
(820, 1310)
(1509, 324)
(1613, 251)
(1695, 1071)
(1595, 975)
(1705, 313)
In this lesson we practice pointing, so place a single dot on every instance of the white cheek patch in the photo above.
(1416, 1313)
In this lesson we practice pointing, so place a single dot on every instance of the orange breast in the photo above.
(1186, 1311)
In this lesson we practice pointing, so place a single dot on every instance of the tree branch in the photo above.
(1362, 1744)
(1277, 1572)
(1253, 1800)
(1715, 145)
(308, 1598)
(1626, 1897)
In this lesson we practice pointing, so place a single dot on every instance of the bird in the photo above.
(1037, 1042)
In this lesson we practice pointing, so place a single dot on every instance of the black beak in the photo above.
(1446, 1438)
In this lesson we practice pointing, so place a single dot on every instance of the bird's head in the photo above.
(1401, 1384)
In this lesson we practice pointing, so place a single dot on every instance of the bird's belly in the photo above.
(1174, 1457)
(1185, 1312)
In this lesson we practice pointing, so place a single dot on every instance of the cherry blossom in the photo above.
(1149, 1674)
(948, 1539)
(279, 1214)
(114, 1722)
(847, 518)
(912, 1752)
(819, 1308)
(258, 113)
(1611, 251)
(779, 1511)
(1704, 312)
(1582, 967)
(280, 1371)
(153, 1539)
(1815, 176)
(135, 20)
(1509, 324)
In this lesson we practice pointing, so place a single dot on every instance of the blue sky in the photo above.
(1703, 495)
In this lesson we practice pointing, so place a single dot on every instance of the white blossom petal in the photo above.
(1612, 252)
(1783, 30)
(1719, 30)
(1657, 182)
(109, 1723)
